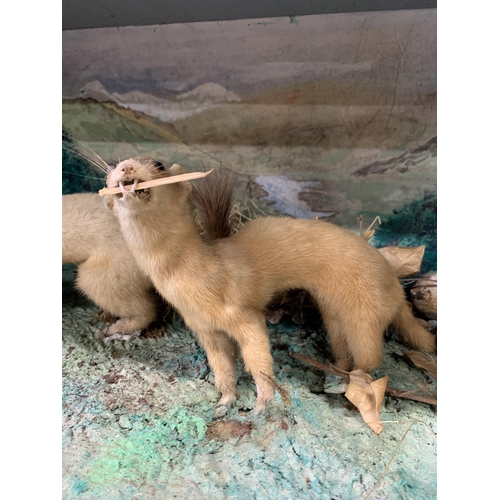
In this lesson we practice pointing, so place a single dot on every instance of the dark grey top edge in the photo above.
(86, 14)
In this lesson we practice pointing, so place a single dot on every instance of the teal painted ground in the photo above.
(137, 424)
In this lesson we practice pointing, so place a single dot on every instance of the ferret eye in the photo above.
(158, 164)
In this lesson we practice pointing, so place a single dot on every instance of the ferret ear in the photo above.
(108, 201)
(176, 169)
(185, 186)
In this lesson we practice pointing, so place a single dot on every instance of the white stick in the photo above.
(156, 182)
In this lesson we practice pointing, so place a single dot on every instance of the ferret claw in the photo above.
(221, 411)
(258, 410)
(121, 336)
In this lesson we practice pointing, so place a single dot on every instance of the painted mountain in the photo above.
(331, 116)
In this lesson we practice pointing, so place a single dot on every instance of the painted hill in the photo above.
(346, 91)
(319, 114)
(89, 120)
(95, 91)
(210, 93)
(324, 114)
(167, 110)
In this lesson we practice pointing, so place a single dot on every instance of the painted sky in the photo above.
(387, 49)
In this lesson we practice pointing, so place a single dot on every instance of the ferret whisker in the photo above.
(180, 149)
(85, 147)
(200, 153)
(92, 154)
(86, 176)
(86, 156)
(178, 160)
(210, 154)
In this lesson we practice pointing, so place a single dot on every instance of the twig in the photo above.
(360, 218)
(407, 395)
(374, 220)
(342, 373)
(390, 461)
(255, 205)
(284, 395)
(157, 182)
(396, 450)
(321, 366)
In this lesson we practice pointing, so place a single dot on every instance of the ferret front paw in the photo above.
(105, 337)
(259, 409)
(102, 315)
(224, 405)
(220, 411)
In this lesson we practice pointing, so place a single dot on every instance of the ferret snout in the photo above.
(127, 169)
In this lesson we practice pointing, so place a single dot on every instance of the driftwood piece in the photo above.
(424, 295)
(342, 373)
(156, 182)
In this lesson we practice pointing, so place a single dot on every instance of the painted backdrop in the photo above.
(328, 116)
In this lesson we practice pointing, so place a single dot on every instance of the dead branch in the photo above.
(156, 182)
(284, 395)
(391, 391)
(377, 219)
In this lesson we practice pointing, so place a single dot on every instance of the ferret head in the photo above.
(132, 171)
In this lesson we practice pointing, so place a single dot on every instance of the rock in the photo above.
(229, 429)
(424, 295)
(124, 422)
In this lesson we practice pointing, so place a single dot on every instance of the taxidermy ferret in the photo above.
(107, 271)
(221, 287)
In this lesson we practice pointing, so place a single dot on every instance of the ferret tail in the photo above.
(411, 332)
(212, 198)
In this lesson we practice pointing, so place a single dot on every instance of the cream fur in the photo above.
(222, 288)
(107, 272)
